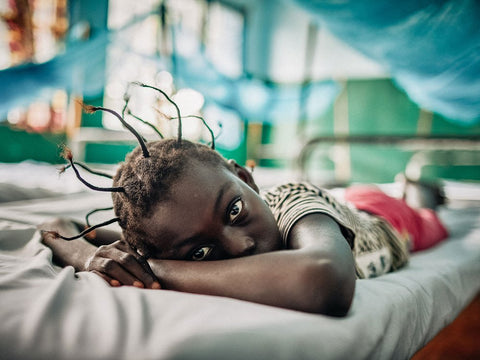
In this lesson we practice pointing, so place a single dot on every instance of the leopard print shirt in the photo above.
(377, 247)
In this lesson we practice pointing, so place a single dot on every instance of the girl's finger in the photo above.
(139, 268)
(115, 271)
(108, 279)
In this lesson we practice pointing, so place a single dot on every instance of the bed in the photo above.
(51, 313)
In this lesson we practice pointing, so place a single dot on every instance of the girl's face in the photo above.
(212, 213)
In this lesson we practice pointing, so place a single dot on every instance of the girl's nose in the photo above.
(237, 245)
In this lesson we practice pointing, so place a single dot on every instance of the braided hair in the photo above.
(146, 176)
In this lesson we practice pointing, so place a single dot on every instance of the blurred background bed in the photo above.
(333, 92)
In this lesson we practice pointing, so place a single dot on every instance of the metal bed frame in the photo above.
(431, 149)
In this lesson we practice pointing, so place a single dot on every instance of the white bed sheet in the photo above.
(50, 313)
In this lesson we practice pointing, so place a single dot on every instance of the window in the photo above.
(149, 35)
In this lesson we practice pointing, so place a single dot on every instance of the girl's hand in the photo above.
(119, 264)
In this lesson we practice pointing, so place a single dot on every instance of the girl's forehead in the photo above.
(198, 186)
(197, 171)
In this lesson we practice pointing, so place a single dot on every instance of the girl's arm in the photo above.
(96, 254)
(70, 227)
(317, 275)
(75, 252)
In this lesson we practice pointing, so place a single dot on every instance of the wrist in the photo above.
(162, 269)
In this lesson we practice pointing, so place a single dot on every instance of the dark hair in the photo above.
(146, 176)
(147, 181)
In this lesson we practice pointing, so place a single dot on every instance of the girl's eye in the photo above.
(201, 253)
(235, 210)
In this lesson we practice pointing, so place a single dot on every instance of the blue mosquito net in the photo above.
(431, 47)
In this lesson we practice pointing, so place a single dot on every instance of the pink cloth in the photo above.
(422, 225)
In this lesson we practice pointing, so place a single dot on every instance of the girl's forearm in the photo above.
(291, 279)
(74, 253)
(100, 236)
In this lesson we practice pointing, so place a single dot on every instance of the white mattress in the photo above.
(51, 313)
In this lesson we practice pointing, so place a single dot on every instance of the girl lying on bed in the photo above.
(192, 221)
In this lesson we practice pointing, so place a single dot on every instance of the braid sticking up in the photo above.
(145, 177)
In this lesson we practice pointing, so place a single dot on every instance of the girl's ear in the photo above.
(243, 174)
